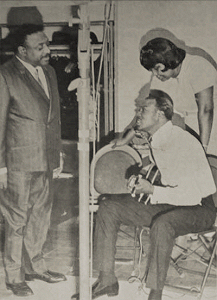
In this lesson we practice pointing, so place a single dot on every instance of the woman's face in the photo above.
(163, 76)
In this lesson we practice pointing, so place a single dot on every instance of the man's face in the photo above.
(37, 52)
(148, 116)
(163, 76)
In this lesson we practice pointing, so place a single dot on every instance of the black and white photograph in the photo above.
(108, 149)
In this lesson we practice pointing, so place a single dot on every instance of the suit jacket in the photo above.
(29, 121)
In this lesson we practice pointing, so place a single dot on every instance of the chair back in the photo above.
(109, 168)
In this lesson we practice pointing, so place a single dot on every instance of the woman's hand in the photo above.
(118, 142)
(144, 186)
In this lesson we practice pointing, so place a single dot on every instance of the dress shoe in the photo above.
(110, 290)
(155, 295)
(19, 289)
(76, 296)
(48, 276)
(98, 289)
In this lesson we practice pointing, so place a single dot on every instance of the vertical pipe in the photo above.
(111, 76)
(83, 148)
(106, 98)
(116, 66)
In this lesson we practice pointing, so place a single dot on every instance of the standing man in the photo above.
(181, 205)
(29, 156)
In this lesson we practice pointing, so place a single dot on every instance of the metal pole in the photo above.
(83, 148)
(111, 75)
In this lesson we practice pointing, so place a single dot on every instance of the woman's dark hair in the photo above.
(160, 50)
(20, 34)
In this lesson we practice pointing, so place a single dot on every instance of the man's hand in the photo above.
(144, 186)
(3, 179)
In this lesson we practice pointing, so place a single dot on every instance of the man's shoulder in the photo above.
(183, 137)
(8, 65)
(178, 131)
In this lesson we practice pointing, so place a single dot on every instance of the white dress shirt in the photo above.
(185, 173)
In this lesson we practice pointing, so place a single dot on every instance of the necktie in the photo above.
(40, 77)
(150, 150)
(37, 76)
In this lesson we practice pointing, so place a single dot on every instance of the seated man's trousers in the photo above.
(166, 223)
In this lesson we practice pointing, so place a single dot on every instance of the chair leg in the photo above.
(137, 246)
(207, 244)
(185, 253)
(136, 261)
(207, 270)
(138, 256)
(177, 268)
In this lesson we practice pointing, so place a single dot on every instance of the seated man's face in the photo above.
(163, 76)
(147, 116)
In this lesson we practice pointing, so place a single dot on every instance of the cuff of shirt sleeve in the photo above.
(156, 196)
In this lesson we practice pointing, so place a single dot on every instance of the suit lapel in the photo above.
(32, 83)
(48, 79)
(27, 76)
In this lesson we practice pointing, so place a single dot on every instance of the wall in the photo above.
(55, 11)
(194, 22)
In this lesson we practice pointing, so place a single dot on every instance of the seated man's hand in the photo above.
(144, 186)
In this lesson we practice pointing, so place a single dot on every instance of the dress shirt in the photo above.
(36, 73)
(185, 173)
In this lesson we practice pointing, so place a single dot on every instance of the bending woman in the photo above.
(191, 82)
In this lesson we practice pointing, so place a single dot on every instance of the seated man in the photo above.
(183, 204)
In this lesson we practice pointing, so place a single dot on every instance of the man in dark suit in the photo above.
(29, 156)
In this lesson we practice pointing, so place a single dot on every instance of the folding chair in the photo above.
(206, 242)
(109, 172)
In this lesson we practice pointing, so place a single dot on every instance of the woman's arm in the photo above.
(205, 114)
(126, 139)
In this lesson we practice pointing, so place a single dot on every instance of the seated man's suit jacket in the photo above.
(29, 120)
